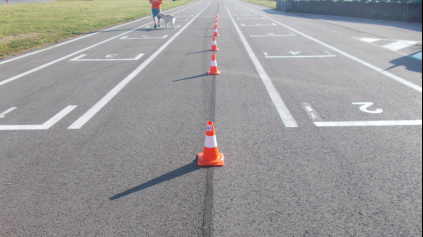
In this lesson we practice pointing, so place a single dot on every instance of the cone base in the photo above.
(220, 161)
(214, 73)
(212, 49)
(216, 35)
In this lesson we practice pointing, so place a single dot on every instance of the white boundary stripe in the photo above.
(392, 76)
(44, 126)
(97, 107)
(280, 105)
(370, 123)
(73, 40)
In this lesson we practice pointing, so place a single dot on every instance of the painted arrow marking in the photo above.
(273, 24)
(3, 115)
(273, 35)
(145, 37)
(328, 55)
(109, 58)
(365, 105)
(43, 126)
(294, 52)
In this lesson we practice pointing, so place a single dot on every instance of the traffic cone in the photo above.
(210, 155)
(214, 46)
(213, 67)
(217, 20)
(216, 24)
(215, 31)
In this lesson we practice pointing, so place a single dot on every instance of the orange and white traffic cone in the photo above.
(213, 67)
(217, 20)
(216, 24)
(211, 155)
(214, 45)
(215, 31)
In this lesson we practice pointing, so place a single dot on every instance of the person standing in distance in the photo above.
(156, 8)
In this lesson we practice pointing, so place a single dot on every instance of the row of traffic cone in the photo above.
(213, 67)
(211, 155)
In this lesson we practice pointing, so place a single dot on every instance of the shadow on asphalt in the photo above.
(199, 52)
(408, 62)
(166, 177)
(201, 75)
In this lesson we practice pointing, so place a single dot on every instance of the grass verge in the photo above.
(25, 27)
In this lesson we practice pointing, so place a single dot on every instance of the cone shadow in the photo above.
(201, 75)
(166, 177)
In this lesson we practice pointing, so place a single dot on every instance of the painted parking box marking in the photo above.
(109, 58)
(44, 126)
(311, 112)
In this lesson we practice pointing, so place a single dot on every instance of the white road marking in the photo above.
(368, 40)
(3, 115)
(390, 75)
(273, 35)
(369, 123)
(280, 105)
(145, 37)
(328, 55)
(365, 105)
(273, 24)
(294, 52)
(399, 45)
(44, 126)
(106, 99)
(251, 18)
(311, 112)
(78, 59)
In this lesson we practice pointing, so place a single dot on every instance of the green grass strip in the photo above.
(25, 27)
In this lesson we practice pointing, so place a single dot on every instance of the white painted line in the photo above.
(273, 24)
(328, 55)
(106, 99)
(390, 75)
(78, 59)
(146, 37)
(399, 45)
(182, 20)
(365, 107)
(250, 18)
(280, 105)
(3, 115)
(370, 123)
(273, 35)
(367, 40)
(65, 57)
(311, 112)
(44, 126)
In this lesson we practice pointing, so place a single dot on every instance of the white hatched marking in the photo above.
(368, 40)
(399, 45)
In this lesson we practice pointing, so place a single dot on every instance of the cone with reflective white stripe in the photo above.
(211, 155)
(214, 45)
(215, 31)
(213, 67)
(216, 25)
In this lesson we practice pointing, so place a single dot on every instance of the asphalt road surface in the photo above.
(319, 119)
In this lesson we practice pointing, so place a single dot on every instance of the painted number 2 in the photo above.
(365, 107)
